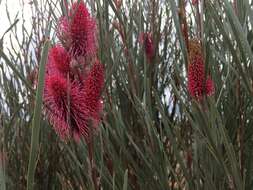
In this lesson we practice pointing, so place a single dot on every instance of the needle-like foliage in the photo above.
(153, 132)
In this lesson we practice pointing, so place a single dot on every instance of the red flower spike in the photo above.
(147, 41)
(59, 59)
(68, 118)
(82, 31)
(196, 76)
(77, 33)
(93, 86)
(198, 86)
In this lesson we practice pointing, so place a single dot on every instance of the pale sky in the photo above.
(14, 7)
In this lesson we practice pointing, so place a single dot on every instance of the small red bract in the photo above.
(147, 41)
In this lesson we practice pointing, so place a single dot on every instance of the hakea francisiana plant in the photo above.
(198, 85)
(72, 93)
(147, 41)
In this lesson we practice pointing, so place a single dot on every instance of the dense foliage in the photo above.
(159, 129)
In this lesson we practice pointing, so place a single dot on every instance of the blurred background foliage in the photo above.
(153, 135)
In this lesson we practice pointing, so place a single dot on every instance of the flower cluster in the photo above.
(74, 76)
(198, 84)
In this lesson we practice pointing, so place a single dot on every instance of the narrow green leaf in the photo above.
(37, 118)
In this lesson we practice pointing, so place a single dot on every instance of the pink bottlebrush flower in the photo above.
(83, 29)
(78, 31)
(147, 41)
(66, 108)
(59, 59)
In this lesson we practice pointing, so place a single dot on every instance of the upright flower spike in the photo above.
(93, 86)
(198, 86)
(83, 29)
(147, 41)
(77, 32)
(196, 75)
